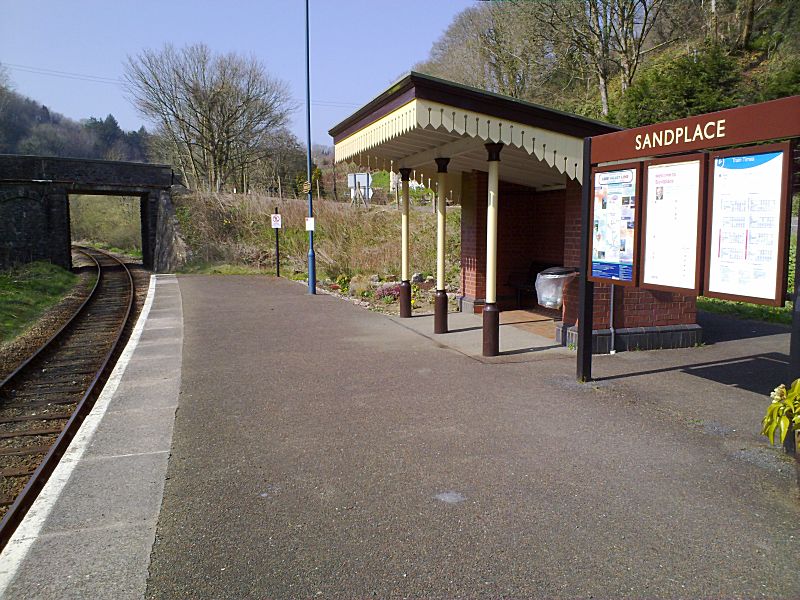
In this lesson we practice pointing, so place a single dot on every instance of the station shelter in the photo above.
(517, 169)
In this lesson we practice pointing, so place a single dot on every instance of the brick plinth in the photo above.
(545, 227)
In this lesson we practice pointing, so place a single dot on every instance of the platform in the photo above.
(322, 450)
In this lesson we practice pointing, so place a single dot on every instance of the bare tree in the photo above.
(5, 87)
(502, 47)
(611, 34)
(215, 112)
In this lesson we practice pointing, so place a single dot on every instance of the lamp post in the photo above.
(312, 267)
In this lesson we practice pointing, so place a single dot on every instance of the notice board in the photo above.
(613, 249)
(746, 250)
(672, 224)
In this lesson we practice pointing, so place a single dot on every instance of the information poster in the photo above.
(745, 242)
(613, 232)
(670, 229)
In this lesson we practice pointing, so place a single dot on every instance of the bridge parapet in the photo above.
(34, 203)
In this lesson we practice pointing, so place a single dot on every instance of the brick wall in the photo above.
(473, 235)
(530, 228)
(546, 227)
(633, 307)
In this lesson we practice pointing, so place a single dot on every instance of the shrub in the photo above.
(389, 292)
(783, 414)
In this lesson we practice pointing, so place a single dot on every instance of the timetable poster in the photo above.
(744, 256)
(613, 231)
(670, 230)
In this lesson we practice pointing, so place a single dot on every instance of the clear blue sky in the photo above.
(68, 54)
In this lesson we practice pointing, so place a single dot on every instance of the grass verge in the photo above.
(744, 310)
(223, 269)
(27, 291)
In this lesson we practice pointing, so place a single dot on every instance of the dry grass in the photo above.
(236, 229)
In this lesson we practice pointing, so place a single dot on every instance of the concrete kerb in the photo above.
(105, 495)
(465, 334)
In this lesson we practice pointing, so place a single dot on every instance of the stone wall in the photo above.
(34, 207)
(34, 225)
(170, 251)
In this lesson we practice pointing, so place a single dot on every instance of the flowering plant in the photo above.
(388, 292)
(783, 414)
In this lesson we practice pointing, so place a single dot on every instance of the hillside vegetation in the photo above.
(111, 222)
(348, 241)
(631, 62)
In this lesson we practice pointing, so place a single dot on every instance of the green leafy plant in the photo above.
(343, 281)
(783, 414)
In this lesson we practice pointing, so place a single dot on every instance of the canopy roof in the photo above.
(421, 118)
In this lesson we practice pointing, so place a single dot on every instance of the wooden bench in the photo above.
(525, 283)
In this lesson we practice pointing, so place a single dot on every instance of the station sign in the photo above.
(776, 119)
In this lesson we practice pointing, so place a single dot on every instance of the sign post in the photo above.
(276, 225)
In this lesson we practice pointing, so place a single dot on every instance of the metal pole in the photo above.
(440, 299)
(491, 312)
(312, 267)
(611, 322)
(586, 289)
(794, 340)
(277, 251)
(405, 284)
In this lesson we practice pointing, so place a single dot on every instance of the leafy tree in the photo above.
(705, 81)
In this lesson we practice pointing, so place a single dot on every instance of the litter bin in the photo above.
(550, 285)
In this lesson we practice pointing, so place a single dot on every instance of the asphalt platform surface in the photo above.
(321, 450)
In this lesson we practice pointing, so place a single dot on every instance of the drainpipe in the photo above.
(613, 332)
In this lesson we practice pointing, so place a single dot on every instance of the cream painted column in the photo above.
(491, 313)
(405, 284)
(440, 302)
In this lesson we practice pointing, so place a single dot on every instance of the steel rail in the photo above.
(27, 496)
(79, 311)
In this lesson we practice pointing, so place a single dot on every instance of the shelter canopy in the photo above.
(421, 118)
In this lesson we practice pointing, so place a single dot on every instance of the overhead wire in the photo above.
(121, 83)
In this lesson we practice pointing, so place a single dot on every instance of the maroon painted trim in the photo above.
(776, 119)
(425, 87)
(491, 330)
(440, 312)
(700, 245)
(368, 115)
(510, 109)
(634, 282)
(779, 297)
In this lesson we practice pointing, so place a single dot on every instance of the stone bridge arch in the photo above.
(34, 205)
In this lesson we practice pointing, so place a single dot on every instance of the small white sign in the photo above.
(276, 221)
(309, 223)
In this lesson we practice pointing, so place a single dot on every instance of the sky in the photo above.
(69, 54)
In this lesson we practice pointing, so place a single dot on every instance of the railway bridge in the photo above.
(34, 205)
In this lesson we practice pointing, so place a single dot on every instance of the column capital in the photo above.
(494, 151)
(441, 163)
(405, 174)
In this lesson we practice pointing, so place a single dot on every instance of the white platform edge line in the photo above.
(20, 543)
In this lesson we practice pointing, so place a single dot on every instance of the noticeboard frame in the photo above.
(699, 270)
(634, 282)
(779, 297)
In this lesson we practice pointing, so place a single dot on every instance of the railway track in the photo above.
(44, 400)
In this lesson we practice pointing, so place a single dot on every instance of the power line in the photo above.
(122, 84)
(64, 74)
